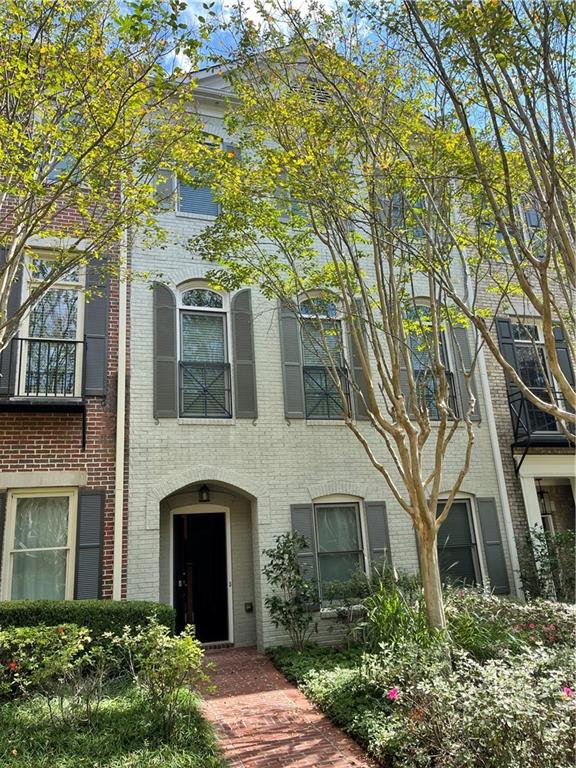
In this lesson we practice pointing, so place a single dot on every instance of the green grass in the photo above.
(295, 665)
(124, 734)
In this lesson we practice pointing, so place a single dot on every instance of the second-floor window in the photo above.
(205, 381)
(50, 353)
(323, 359)
(422, 359)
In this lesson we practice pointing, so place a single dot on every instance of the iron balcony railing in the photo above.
(205, 390)
(45, 368)
(528, 421)
(322, 396)
(426, 386)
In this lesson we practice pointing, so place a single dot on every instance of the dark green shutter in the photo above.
(8, 356)
(358, 378)
(463, 364)
(243, 356)
(291, 363)
(507, 346)
(165, 357)
(493, 548)
(2, 525)
(378, 534)
(303, 523)
(96, 330)
(563, 354)
(89, 537)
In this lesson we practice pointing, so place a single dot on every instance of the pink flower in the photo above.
(531, 626)
(392, 694)
(461, 593)
(60, 630)
(12, 666)
(568, 692)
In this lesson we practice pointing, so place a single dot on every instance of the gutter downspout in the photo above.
(497, 455)
(120, 427)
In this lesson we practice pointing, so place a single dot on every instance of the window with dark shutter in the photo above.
(457, 548)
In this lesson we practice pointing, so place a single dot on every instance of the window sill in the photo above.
(198, 216)
(205, 421)
(325, 423)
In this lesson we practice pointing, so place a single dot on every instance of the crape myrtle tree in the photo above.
(82, 85)
(504, 77)
(321, 209)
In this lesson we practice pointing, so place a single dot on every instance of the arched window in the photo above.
(322, 356)
(205, 382)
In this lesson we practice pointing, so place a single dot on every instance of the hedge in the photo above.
(98, 616)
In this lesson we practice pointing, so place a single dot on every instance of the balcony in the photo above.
(321, 395)
(44, 376)
(533, 427)
(205, 390)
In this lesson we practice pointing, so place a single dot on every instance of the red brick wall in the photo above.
(43, 442)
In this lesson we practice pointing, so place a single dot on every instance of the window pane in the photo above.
(41, 522)
(203, 338)
(39, 575)
(457, 565)
(205, 390)
(322, 397)
(196, 200)
(314, 338)
(338, 567)
(456, 528)
(337, 528)
(55, 315)
(201, 297)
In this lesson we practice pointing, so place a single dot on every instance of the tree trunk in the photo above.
(430, 574)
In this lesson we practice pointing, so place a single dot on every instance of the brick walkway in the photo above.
(265, 722)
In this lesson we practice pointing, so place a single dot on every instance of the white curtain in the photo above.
(41, 526)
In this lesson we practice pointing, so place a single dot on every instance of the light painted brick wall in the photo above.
(277, 462)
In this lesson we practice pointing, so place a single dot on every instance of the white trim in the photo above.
(199, 509)
(49, 479)
(9, 531)
(547, 465)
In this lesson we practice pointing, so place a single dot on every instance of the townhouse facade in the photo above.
(235, 439)
(233, 436)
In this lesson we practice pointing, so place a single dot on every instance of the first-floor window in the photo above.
(457, 549)
(39, 536)
(339, 543)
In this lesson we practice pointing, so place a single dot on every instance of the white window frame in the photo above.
(342, 501)
(78, 285)
(10, 529)
(223, 311)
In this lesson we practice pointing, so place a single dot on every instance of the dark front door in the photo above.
(200, 575)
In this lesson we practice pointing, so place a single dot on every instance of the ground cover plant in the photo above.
(496, 690)
(116, 700)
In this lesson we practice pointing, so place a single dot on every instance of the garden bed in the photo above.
(497, 692)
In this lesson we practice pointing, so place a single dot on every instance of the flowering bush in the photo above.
(487, 625)
(33, 658)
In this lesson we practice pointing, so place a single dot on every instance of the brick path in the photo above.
(265, 722)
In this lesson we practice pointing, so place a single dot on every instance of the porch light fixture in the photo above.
(204, 494)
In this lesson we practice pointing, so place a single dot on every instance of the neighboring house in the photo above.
(537, 457)
(236, 437)
(58, 440)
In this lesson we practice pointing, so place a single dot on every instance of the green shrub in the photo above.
(547, 565)
(162, 665)
(99, 616)
(293, 598)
